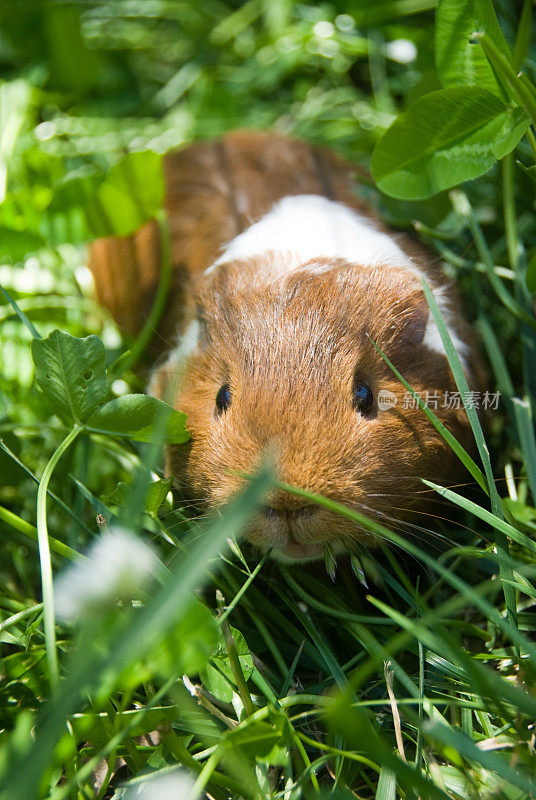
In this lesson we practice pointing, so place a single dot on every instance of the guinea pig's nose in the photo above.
(289, 512)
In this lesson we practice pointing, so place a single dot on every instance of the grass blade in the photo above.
(386, 785)
(499, 523)
(467, 592)
(487, 759)
(89, 665)
(463, 387)
(525, 427)
(460, 451)
(20, 314)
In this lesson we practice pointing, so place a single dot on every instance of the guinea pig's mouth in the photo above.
(285, 531)
(296, 551)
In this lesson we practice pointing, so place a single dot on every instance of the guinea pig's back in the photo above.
(214, 191)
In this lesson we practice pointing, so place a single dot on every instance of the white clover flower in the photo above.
(175, 785)
(401, 50)
(324, 29)
(117, 564)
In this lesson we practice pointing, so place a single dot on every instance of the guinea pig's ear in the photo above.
(419, 328)
(413, 319)
(213, 285)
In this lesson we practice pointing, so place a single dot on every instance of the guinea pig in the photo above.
(282, 281)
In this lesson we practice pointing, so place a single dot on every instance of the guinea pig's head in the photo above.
(283, 366)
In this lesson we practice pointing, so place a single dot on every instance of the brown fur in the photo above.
(290, 353)
(289, 348)
(214, 190)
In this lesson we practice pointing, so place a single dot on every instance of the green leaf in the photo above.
(187, 647)
(444, 138)
(64, 219)
(70, 373)
(219, 679)
(260, 741)
(119, 496)
(123, 494)
(75, 66)
(75, 190)
(66, 226)
(17, 244)
(515, 126)
(157, 493)
(458, 61)
(217, 684)
(142, 418)
(520, 512)
(131, 194)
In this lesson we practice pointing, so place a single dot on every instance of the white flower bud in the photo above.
(175, 785)
(117, 564)
(401, 50)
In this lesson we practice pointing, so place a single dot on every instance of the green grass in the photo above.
(406, 671)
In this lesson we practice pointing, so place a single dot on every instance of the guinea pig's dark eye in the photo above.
(223, 398)
(362, 397)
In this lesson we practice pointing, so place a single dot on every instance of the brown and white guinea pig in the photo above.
(282, 276)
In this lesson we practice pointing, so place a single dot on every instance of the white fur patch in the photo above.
(177, 360)
(313, 226)
(189, 341)
(432, 337)
(306, 227)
